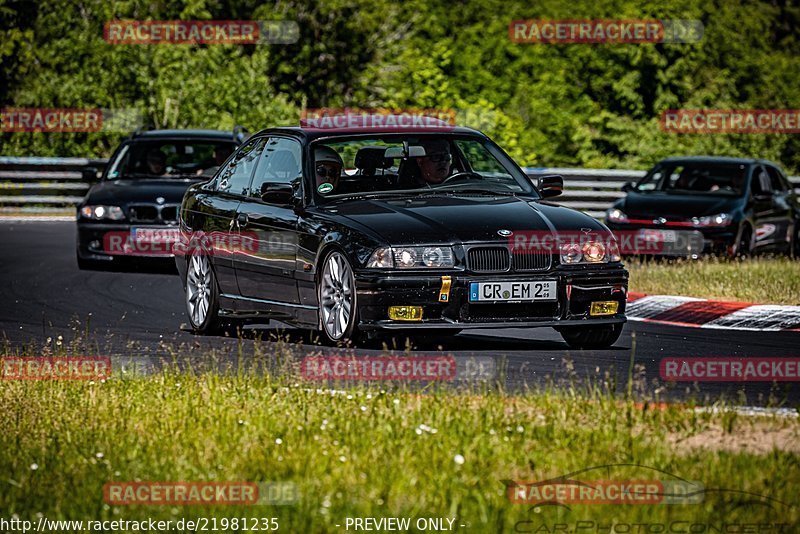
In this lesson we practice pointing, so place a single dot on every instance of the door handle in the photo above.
(242, 219)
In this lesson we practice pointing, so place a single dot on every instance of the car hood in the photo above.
(117, 192)
(670, 205)
(454, 219)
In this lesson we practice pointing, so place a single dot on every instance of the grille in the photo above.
(152, 213)
(534, 261)
(169, 214)
(488, 259)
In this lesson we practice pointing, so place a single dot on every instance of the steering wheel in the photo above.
(463, 176)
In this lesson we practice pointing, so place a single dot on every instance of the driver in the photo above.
(156, 162)
(435, 165)
(328, 167)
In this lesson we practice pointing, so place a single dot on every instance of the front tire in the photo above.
(338, 305)
(202, 294)
(595, 337)
(745, 246)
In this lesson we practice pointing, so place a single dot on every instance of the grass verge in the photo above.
(369, 452)
(759, 280)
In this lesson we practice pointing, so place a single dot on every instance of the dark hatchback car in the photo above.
(133, 210)
(735, 206)
(372, 231)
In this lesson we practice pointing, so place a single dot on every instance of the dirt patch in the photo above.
(758, 437)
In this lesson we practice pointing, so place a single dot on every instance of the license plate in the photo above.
(512, 291)
(155, 235)
(659, 236)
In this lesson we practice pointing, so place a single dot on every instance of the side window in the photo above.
(480, 159)
(235, 177)
(761, 184)
(280, 163)
(775, 178)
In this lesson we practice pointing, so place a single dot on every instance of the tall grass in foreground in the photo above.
(761, 280)
(368, 451)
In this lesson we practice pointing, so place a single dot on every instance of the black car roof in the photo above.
(185, 134)
(717, 159)
(311, 134)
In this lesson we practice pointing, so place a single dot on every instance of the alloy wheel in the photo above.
(198, 289)
(336, 295)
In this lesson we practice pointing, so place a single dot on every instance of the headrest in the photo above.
(371, 157)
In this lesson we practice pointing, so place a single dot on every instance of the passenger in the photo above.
(328, 167)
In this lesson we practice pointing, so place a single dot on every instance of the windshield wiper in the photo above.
(473, 191)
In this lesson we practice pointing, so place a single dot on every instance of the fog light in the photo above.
(405, 313)
(604, 307)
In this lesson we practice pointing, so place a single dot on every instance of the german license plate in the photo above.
(659, 236)
(155, 235)
(512, 291)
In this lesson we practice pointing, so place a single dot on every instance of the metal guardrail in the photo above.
(43, 186)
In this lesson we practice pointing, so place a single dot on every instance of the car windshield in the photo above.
(170, 159)
(695, 178)
(401, 165)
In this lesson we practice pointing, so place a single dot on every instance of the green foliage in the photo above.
(560, 104)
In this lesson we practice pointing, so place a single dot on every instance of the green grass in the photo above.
(365, 452)
(759, 280)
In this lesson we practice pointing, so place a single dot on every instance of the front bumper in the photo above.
(576, 288)
(106, 241)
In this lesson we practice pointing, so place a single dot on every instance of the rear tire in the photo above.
(596, 337)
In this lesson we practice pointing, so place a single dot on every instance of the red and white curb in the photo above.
(703, 313)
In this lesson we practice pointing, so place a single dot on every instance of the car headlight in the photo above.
(99, 213)
(616, 215)
(589, 252)
(434, 257)
(721, 219)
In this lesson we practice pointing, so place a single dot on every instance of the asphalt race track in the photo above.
(139, 314)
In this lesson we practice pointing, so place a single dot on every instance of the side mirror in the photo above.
(550, 186)
(90, 175)
(280, 194)
(628, 187)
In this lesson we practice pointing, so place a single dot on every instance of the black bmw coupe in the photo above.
(361, 231)
(133, 210)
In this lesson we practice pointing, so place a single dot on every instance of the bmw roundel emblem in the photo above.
(504, 232)
(160, 200)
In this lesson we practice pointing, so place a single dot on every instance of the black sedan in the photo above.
(736, 206)
(133, 210)
(370, 231)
